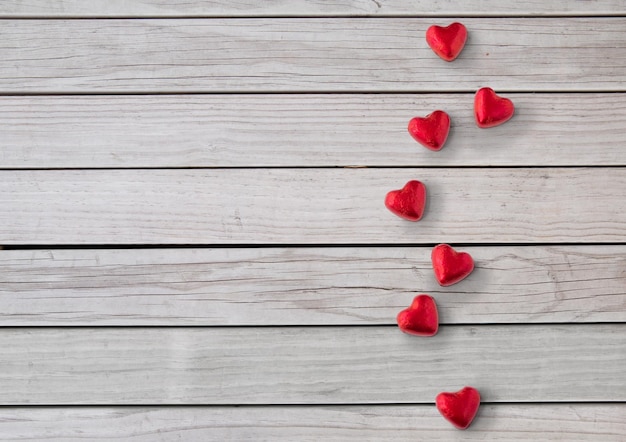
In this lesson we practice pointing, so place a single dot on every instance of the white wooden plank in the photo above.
(306, 286)
(263, 55)
(532, 423)
(310, 365)
(312, 206)
(303, 130)
(200, 8)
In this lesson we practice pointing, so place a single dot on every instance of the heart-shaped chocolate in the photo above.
(449, 265)
(421, 318)
(432, 130)
(459, 408)
(490, 109)
(408, 202)
(447, 42)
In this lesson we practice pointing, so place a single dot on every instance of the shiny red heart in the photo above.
(447, 42)
(408, 202)
(421, 318)
(449, 265)
(432, 130)
(459, 408)
(490, 109)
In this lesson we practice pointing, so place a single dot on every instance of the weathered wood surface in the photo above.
(247, 8)
(306, 286)
(294, 55)
(310, 365)
(519, 422)
(290, 206)
(340, 358)
(303, 130)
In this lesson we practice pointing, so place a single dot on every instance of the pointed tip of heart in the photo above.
(409, 202)
(420, 318)
(450, 266)
(459, 408)
(447, 42)
(490, 109)
(432, 130)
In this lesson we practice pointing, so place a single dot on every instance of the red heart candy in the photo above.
(490, 109)
(449, 265)
(447, 42)
(408, 202)
(421, 318)
(432, 130)
(459, 408)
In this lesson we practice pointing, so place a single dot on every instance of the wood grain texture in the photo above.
(302, 339)
(312, 206)
(532, 423)
(225, 8)
(295, 55)
(303, 130)
(310, 365)
(306, 286)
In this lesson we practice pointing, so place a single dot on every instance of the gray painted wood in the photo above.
(291, 206)
(511, 364)
(306, 286)
(303, 130)
(295, 55)
(310, 365)
(532, 423)
(199, 8)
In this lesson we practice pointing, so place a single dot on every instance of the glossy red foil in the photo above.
(432, 130)
(421, 318)
(408, 202)
(447, 42)
(459, 408)
(491, 110)
(449, 265)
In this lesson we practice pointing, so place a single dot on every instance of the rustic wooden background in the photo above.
(195, 245)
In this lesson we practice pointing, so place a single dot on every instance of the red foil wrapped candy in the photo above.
(421, 318)
(449, 265)
(459, 408)
(408, 202)
(491, 110)
(432, 130)
(447, 42)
